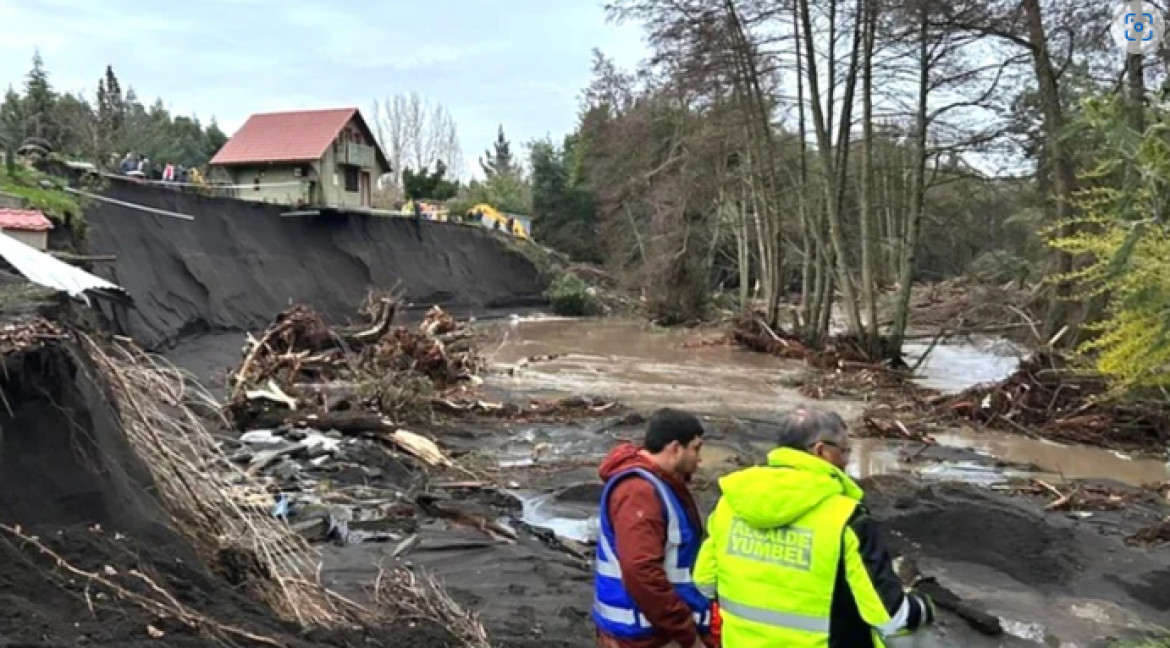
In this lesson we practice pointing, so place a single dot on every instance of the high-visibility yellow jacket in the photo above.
(784, 558)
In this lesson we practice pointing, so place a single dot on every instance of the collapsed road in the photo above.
(490, 485)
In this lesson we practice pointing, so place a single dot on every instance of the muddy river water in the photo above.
(648, 367)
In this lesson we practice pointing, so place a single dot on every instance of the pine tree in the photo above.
(499, 161)
(215, 138)
(111, 112)
(40, 102)
(12, 119)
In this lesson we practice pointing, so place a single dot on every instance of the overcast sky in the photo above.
(521, 63)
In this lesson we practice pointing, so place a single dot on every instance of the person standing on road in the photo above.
(793, 557)
(651, 532)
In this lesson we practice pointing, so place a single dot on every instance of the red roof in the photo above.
(299, 136)
(28, 220)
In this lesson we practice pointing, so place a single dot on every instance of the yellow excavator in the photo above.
(493, 218)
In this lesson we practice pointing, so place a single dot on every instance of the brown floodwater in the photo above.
(1059, 461)
(646, 367)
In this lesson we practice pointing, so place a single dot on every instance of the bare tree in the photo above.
(415, 133)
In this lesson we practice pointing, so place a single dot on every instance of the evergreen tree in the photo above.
(498, 160)
(425, 185)
(215, 138)
(40, 102)
(111, 112)
(12, 119)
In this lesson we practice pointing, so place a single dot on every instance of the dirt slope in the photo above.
(238, 263)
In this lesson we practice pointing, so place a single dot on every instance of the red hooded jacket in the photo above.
(640, 528)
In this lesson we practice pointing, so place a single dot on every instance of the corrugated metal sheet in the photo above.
(43, 269)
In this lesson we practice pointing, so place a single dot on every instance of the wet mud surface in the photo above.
(1050, 575)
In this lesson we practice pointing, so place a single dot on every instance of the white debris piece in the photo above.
(48, 271)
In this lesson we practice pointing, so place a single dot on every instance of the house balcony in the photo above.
(358, 155)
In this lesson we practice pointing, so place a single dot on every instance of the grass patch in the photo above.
(52, 200)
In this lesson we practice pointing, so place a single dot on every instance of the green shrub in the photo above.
(570, 296)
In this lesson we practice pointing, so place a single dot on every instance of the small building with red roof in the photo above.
(28, 226)
(326, 158)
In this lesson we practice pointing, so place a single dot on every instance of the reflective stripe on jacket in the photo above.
(614, 610)
(779, 549)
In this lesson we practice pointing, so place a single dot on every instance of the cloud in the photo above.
(520, 63)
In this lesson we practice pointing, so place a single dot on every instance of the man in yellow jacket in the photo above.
(792, 556)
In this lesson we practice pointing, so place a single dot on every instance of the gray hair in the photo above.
(804, 427)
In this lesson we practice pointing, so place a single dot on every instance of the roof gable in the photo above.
(299, 136)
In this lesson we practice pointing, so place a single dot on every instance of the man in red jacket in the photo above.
(639, 529)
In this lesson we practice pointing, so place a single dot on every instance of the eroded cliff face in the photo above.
(237, 263)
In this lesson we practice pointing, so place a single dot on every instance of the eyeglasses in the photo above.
(845, 450)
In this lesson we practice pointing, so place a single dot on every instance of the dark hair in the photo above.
(804, 427)
(669, 425)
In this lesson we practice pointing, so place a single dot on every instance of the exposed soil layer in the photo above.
(238, 263)
(64, 460)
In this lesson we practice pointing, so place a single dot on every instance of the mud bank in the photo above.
(238, 263)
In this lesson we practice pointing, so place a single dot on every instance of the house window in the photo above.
(351, 178)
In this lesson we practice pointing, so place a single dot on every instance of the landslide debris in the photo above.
(361, 439)
(123, 523)
(301, 367)
(1049, 397)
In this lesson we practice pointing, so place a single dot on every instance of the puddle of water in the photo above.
(648, 367)
(568, 520)
(875, 457)
(534, 445)
(1056, 460)
(951, 368)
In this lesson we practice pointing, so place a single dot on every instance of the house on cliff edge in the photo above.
(306, 158)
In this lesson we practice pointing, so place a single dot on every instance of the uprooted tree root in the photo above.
(301, 365)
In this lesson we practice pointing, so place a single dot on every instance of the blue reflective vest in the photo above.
(614, 611)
